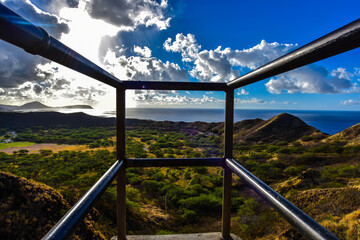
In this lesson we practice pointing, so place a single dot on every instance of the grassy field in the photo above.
(15, 144)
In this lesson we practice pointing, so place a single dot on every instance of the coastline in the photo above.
(330, 122)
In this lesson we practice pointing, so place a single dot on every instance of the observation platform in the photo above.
(193, 236)
(35, 40)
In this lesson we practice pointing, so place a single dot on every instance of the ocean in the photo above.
(329, 122)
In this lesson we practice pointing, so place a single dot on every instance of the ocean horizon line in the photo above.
(327, 121)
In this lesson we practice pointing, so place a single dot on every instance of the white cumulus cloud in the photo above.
(311, 79)
(223, 65)
(242, 91)
(143, 69)
(218, 65)
(145, 52)
(165, 98)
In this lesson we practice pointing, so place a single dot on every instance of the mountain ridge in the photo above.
(39, 106)
(283, 127)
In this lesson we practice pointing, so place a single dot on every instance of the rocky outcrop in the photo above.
(28, 210)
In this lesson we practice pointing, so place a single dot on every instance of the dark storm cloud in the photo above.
(130, 13)
(60, 84)
(51, 23)
(16, 65)
(37, 89)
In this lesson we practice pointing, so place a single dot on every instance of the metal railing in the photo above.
(16, 30)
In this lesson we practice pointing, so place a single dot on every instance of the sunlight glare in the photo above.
(85, 33)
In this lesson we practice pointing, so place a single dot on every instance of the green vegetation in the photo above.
(177, 200)
(15, 144)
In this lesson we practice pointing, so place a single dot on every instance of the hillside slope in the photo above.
(350, 136)
(28, 210)
(283, 127)
(337, 209)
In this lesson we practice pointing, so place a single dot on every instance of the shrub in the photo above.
(200, 170)
(135, 180)
(306, 138)
(189, 216)
(158, 177)
(187, 174)
(203, 204)
(133, 194)
(294, 170)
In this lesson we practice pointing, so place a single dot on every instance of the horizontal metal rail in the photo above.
(160, 85)
(16, 30)
(338, 41)
(291, 213)
(174, 162)
(64, 228)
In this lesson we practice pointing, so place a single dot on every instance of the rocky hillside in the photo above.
(28, 210)
(350, 136)
(283, 127)
(337, 209)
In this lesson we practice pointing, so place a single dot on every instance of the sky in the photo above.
(184, 40)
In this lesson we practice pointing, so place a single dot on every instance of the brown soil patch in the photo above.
(46, 146)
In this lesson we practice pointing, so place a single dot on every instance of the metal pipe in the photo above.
(229, 123)
(228, 140)
(121, 152)
(159, 85)
(67, 224)
(35, 40)
(174, 162)
(338, 41)
(291, 213)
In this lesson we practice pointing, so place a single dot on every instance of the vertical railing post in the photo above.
(120, 152)
(229, 123)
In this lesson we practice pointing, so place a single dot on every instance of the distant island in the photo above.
(38, 106)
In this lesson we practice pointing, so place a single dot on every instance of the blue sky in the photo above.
(184, 41)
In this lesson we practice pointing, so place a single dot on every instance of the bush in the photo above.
(135, 180)
(189, 216)
(187, 174)
(306, 138)
(294, 170)
(153, 187)
(200, 170)
(133, 194)
(158, 177)
(250, 207)
(203, 204)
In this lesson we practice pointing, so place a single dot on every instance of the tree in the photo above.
(23, 152)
